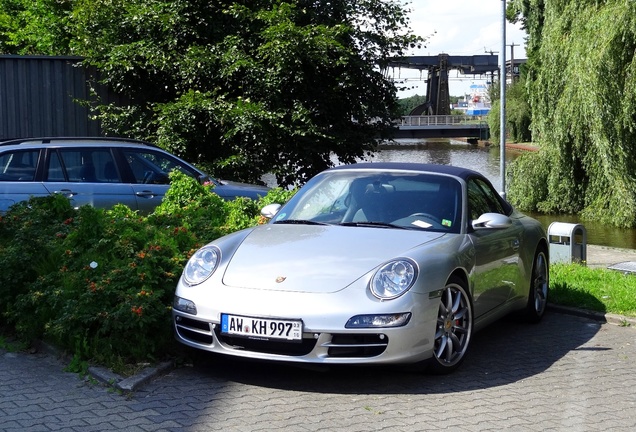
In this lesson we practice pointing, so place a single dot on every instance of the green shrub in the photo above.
(30, 242)
(98, 283)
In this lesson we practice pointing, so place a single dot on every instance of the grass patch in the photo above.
(599, 290)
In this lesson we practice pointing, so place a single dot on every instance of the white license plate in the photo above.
(262, 328)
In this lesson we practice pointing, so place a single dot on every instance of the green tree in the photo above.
(248, 87)
(408, 104)
(582, 82)
(34, 27)
(518, 114)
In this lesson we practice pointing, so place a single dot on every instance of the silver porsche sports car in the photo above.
(371, 263)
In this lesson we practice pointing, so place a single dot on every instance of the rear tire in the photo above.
(539, 287)
(454, 328)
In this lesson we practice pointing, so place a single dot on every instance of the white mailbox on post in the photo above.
(568, 243)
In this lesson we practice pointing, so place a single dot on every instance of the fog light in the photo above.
(375, 321)
(184, 305)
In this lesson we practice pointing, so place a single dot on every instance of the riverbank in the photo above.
(522, 146)
(525, 146)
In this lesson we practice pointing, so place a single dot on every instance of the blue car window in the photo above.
(153, 167)
(87, 165)
(18, 165)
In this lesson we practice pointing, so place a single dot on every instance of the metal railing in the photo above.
(441, 120)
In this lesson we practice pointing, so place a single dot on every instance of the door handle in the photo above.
(66, 192)
(145, 194)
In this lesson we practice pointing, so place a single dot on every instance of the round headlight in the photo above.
(201, 265)
(393, 279)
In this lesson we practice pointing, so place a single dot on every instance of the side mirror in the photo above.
(269, 211)
(492, 220)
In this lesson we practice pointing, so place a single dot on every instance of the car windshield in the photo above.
(384, 200)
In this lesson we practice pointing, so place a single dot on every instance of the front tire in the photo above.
(454, 328)
(539, 287)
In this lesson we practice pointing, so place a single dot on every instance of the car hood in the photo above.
(227, 188)
(317, 259)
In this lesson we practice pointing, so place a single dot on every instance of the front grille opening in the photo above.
(357, 345)
(267, 346)
(192, 323)
(194, 336)
(193, 330)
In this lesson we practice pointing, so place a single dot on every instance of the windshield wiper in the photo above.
(373, 224)
(300, 222)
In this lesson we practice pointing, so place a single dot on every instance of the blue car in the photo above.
(100, 172)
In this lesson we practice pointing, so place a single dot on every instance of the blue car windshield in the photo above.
(425, 201)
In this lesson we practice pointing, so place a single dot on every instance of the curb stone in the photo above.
(599, 316)
(131, 383)
(108, 377)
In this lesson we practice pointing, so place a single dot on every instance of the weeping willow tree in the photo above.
(583, 97)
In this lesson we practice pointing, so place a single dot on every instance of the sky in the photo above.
(459, 27)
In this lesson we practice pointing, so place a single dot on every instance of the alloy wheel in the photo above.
(454, 326)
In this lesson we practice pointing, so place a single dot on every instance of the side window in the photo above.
(54, 172)
(482, 199)
(87, 165)
(153, 167)
(18, 165)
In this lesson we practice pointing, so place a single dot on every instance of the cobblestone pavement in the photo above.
(566, 373)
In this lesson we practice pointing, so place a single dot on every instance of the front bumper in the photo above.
(325, 339)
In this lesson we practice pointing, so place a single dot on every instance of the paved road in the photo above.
(603, 256)
(567, 373)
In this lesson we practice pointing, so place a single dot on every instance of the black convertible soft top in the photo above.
(460, 172)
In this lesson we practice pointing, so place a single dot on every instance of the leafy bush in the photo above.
(30, 236)
(99, 283)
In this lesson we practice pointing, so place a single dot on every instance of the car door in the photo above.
(18, 180)
(87, 176)
(150, 170)
(496, 250)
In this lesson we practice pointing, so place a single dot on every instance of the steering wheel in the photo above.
(426, 216)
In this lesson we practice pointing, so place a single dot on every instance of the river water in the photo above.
(486, 160)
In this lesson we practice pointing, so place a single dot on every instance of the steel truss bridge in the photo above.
(438, 67)
(432, 119)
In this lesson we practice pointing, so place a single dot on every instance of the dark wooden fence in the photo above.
(39, 96)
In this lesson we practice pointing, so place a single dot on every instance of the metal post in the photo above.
(502, 104)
